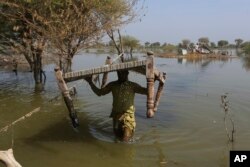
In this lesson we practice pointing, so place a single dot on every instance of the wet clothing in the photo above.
(123, 110)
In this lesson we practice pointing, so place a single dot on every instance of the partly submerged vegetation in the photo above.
(62, 28)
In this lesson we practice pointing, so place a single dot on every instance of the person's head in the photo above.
(56, 68)
(122, 75)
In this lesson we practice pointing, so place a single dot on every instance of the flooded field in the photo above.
(187, 130)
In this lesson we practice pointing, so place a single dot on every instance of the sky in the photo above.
(171, 21)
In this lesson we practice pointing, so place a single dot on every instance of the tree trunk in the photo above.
(70, 62)
(29, 60)
(60, 61)
(39, 75)
(131, 53)
(68, 66)
(119, 47)
(38, 72)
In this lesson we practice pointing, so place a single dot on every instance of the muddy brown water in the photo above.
(187, 130)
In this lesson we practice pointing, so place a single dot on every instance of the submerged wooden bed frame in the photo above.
(145, 67)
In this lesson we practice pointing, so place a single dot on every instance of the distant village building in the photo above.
(184, 51)
(197, 48)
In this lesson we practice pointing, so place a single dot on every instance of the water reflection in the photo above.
(246, 62)
(161, 157)
(203, 61)
(192, 59)
(188, 125)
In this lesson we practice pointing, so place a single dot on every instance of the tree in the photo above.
(87, 23)
(213, 45)
(110, 43)
(117, 43)
(230, 45)
(131, 43)
(222, 43)
(169, 48)
(164, 44)
(204, 41)
(67, 26)
(25, 39)
(245, 44)
(246, 48)
(147, 44)
(5, 34)
(238, 42)
(155, 44)
(185, 43)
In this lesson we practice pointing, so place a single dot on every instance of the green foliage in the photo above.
(246, 48)
(222, 43)
(238, 42)
(100, 51)
(130, 42)
(155, 44)
(191, 45)
(66, 24)
(245, 44)
(110, 43)
(185, 43)
(204, 40)
(164, 44)
(169, 48)
(231, 46)
(147, 44)
(6, 32)
(213, 45)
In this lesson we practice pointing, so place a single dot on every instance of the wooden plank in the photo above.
(150, 84)
(73, 76)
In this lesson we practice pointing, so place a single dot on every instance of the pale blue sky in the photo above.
(173, 20)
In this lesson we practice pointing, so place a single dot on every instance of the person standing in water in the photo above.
(123, 109)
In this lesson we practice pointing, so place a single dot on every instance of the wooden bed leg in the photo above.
(67, 98)
(7, 157)
(158, 95)
(105, 75)
(161, 77)
(150, 84)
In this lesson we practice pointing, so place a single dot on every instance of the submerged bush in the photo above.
(246, 48)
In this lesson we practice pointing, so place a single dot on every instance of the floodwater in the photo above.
(187, 130)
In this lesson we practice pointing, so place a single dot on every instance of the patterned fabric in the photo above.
(128, 121)
(123, 100)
